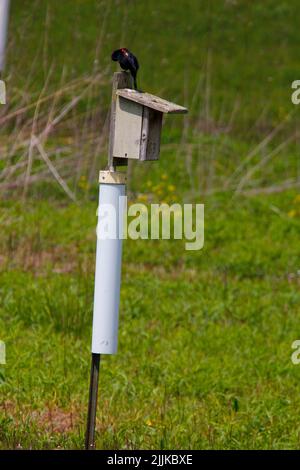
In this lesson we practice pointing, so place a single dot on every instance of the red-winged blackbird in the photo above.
(127, 61)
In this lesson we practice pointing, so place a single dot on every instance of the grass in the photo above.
(205, 337)
(236, 52)
(236, 94)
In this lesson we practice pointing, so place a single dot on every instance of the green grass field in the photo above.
(246, 51)
(205, 337)
(204, 358)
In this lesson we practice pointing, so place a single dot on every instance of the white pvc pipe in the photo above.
(108, 268)
(4, 9)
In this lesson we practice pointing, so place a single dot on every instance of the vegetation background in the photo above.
(205, 337)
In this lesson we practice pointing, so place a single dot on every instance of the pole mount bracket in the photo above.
(112, 177)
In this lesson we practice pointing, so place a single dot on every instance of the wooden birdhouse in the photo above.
(137, 125)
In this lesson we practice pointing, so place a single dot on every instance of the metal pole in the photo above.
(108, 270)
(107, 283)
(4, 9)
(92, 409)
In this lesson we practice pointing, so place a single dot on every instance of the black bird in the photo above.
(127, 61)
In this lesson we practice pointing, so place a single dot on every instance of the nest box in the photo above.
(137, 124)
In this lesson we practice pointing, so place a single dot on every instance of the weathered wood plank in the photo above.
(128, 128)
(144, 134)
(155, 125)
(152, 101)
(120, 80)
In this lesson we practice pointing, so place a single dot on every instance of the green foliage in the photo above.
(234, 52)
(205, 337)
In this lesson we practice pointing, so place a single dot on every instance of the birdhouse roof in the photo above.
(151, 101)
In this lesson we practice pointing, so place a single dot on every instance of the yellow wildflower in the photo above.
(292, 213)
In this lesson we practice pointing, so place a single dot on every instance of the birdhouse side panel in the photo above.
(128, 126)
(154, 133)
